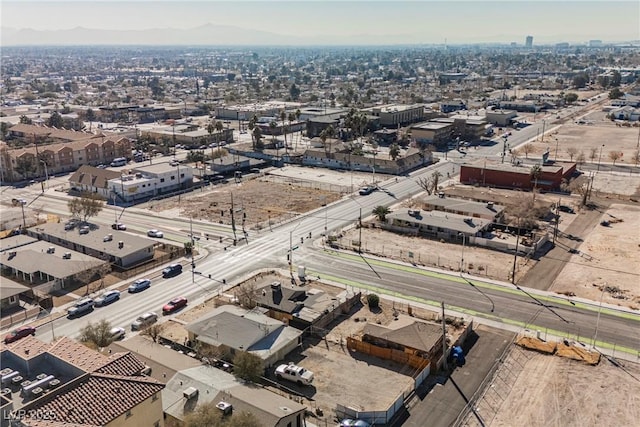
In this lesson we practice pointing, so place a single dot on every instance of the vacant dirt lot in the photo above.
(609, 260)
(574, 394)
(259, 202)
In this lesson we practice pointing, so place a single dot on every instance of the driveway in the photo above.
(439, 402)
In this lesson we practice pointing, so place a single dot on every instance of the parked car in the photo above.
(294, 373)
(172, 270)
(348, 422)
(101, 166)
(366, 190)
(567, 209)
(139, 285)
(144, 321)
(107, 298)
(19, 333)
(118, 226)
(84, 229)
(155, 233)
(18, 202)
(83, 306)
(174, 305)
(117, 333)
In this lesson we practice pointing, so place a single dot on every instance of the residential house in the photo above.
(122, 249)
(10, 292)
(76, 385)
(93, 180)
(435, 224)
(192, 387)
(489, 211)
(229, 329)
(628, 113)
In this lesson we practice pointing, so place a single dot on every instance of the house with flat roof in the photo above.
(436, 224)
(435, 133)
(440, 202)
(120, 248)
(148, 181)
(201, 385)
(56, 267)
(77, 385)
(229, 329)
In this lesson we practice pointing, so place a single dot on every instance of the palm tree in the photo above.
(394, 151)
(381, 212)
(283, 116)
(535, 173)
(292, 117)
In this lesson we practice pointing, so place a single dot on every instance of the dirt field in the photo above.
(574, 394)
(258, 202)
(609, 260)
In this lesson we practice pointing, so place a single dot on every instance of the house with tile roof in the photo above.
(77, 386)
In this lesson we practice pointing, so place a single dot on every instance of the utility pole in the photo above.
(444, 340)
(543, 126)
(515, 257)
(193, 264)
(233, 221)
(24, 221)
(360, 232)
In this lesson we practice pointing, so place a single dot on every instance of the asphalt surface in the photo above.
(439, 402)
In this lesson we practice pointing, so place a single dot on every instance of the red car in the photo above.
(174, 305)
(19, 333)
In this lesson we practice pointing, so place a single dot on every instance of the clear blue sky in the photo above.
(418, 21)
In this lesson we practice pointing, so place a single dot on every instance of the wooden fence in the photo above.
(387, 353)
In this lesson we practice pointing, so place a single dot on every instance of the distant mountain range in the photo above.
(208, 34)
(222, 35)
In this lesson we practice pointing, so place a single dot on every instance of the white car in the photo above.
(294, 373)
(117, 333)
(155, 233)
(144, 321)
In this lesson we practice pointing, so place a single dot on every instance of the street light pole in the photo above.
(595, 335)
(600, 157)
(360, 231)
(462, 255)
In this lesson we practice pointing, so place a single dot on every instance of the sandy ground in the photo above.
(609, 260)
(574, 394)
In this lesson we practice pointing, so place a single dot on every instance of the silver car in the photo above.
(144, 321)
(117, 333)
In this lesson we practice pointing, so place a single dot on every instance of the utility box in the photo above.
(302, 272)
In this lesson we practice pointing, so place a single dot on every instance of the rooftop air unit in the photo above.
(51, 249)
(120, 244)
(190, 393)
(225, 407)
(67, 255)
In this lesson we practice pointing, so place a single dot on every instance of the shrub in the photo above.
(373, 300)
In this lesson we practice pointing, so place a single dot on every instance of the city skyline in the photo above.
(332, 22)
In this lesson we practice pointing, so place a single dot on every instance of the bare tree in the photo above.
(615, 156)
(636, 157)
(581, 158)
(593, 153)
(96, 335)
(430, 184)
(154, 331)
(580, 185)
(526, 149)
(572, 151)
(247, 295)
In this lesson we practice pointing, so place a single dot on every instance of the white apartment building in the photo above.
(149, 181)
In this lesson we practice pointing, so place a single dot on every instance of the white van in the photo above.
(118, 161)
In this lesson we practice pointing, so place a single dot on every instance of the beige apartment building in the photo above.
(38, 161)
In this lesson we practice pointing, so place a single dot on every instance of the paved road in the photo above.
(438, 403)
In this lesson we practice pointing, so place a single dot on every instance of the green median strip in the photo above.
(485, 285)
(510, 322)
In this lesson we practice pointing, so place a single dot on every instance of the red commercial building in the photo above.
(515, 176)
